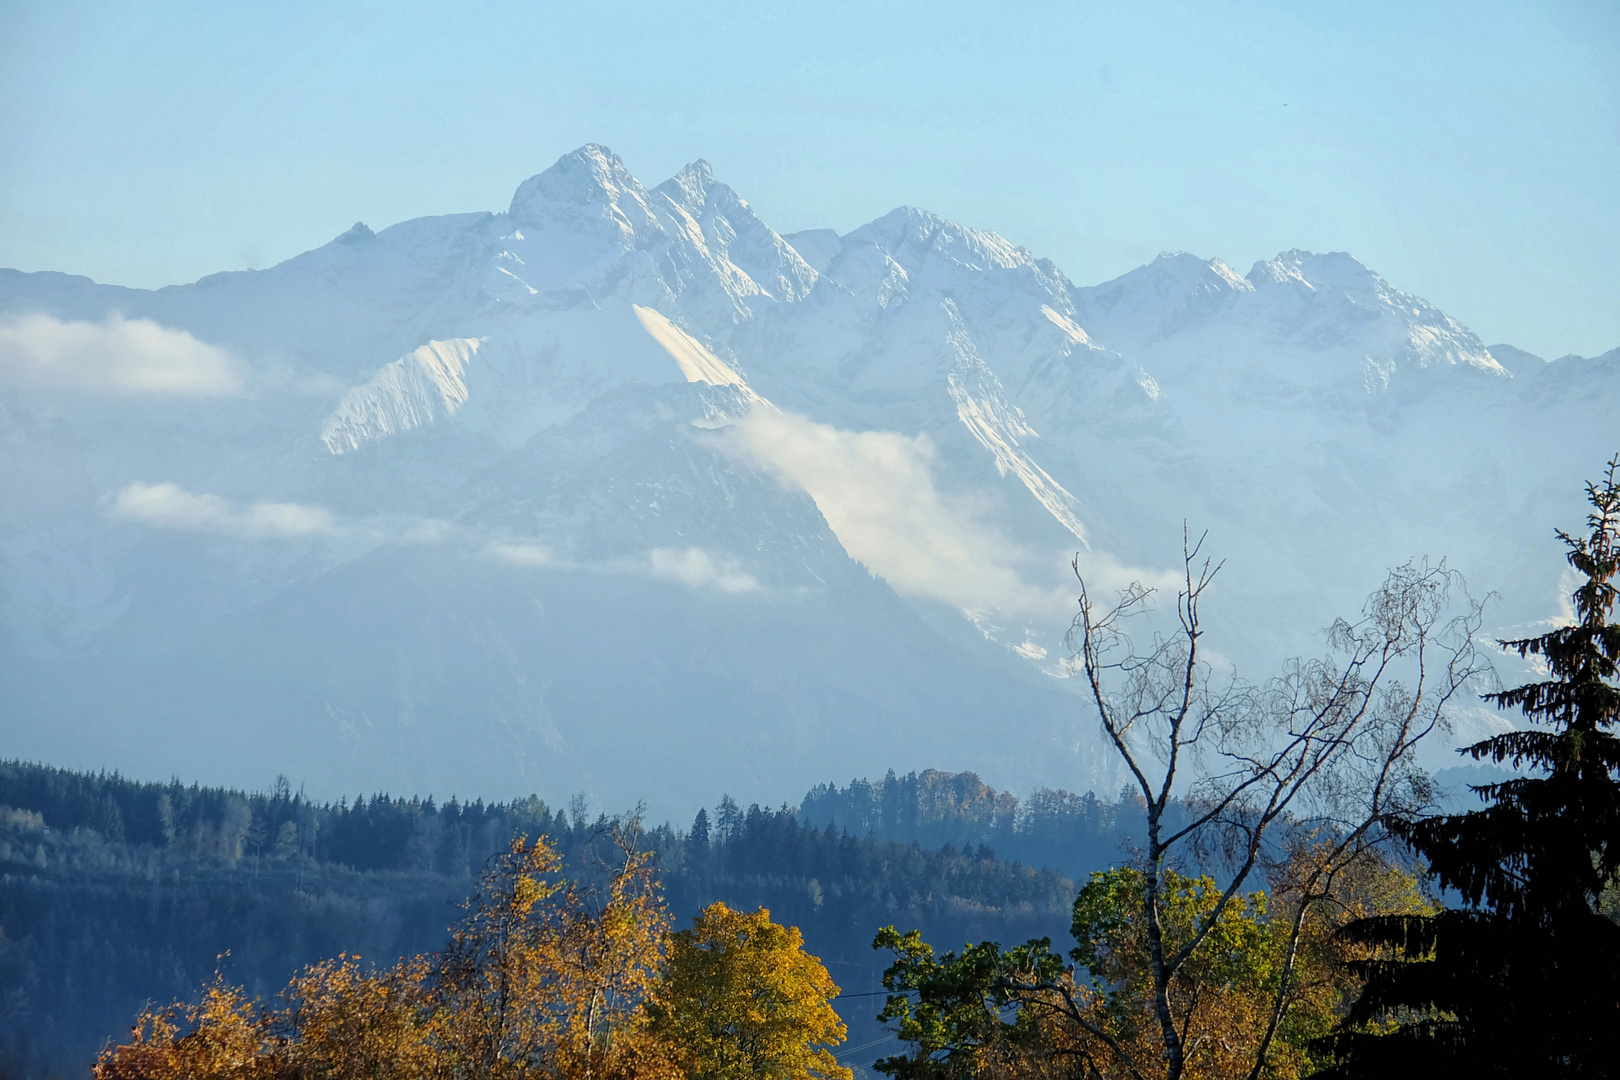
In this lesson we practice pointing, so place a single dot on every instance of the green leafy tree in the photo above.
(959, 1012)
(1027, 1013)
(1524, 980)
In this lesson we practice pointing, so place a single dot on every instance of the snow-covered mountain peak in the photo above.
(1610, 357)
(913, 237)
(586, 229)
(1335, 300)
(1335, 269)
(1232, 278)
(473, 448)
(910, 252)
(1175, 292)
(1326, 325)
(748, 253)
(590, 184)
(689, 188)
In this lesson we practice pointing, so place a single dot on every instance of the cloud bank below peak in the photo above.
(695, 568)
(169, 506)
(114, 357)
(877, 491)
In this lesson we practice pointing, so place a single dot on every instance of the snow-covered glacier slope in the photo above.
(620, 491)
(1358, 422)
(423, 386)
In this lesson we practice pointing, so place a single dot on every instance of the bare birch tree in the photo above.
(1299, 772)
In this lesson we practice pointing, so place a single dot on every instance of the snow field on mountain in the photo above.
(620, 491)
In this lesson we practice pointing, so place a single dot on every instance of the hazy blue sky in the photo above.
(1470, 152)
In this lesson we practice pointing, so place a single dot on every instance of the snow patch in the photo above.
(1070, 329)
(697, 363)
(423, 386)
(998, 425)
(997, 429)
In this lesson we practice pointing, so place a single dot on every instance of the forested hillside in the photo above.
(114, 892)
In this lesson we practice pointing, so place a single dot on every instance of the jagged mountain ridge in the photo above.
(620, 491)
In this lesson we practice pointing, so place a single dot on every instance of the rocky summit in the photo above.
(622, 492)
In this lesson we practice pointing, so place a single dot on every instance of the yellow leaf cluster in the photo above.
(743, 1001)
(542, 980)
(222, 1037)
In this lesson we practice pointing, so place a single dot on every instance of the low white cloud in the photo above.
(698, 569)
(116, 356)
(877, 492)
(1568, 581)
(522, 554)
(1105, 574)
(170, 506)
(693, 567)
(427, 531)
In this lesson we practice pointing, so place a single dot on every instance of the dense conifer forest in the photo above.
(115, 892)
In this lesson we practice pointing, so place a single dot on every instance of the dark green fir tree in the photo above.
(1522, 979)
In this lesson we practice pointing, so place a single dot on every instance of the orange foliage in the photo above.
(222, 1037)
(542, 979)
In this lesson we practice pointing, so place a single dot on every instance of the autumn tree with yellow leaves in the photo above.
(222, 1037)
(340, 1020)
(742, 1000)
(543, 978)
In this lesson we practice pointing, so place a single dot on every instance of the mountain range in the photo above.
(622, 492)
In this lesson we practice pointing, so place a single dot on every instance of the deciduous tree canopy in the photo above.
(742, 1000)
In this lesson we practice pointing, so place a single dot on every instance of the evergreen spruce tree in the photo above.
(697, 841)
(1524, 980)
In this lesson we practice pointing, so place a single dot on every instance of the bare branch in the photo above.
(1324, 750)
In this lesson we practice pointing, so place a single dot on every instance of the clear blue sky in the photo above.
(1468, 151)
